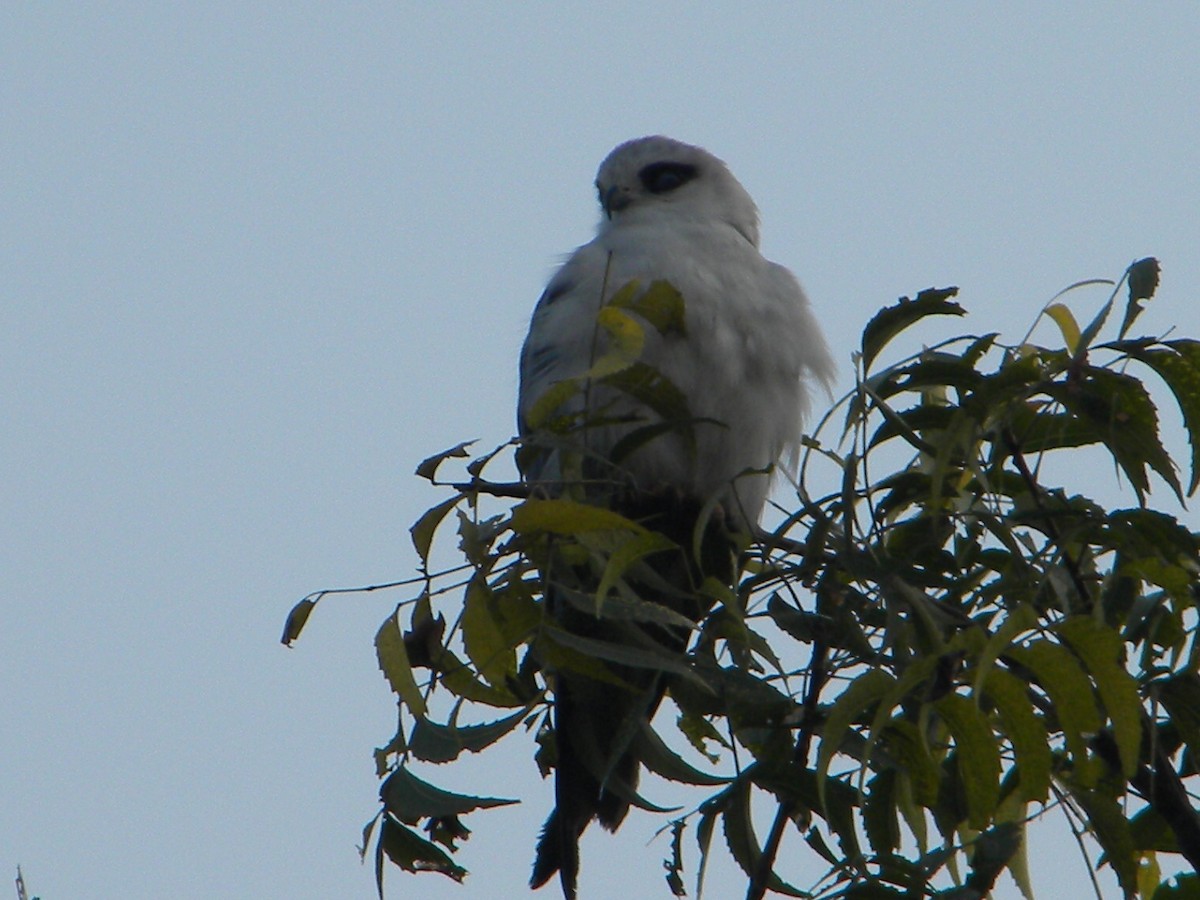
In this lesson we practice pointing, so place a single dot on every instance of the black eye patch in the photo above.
(663, 177)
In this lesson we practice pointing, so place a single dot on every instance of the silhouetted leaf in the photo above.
(890, 321)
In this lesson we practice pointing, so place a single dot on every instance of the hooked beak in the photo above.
(615, 200)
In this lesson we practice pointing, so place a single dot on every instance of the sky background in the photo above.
(258, 260)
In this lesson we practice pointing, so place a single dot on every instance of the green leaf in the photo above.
(642, 657)
(1025, 731)
(880, 819)
(1179, 367)
(660, 305)
(861, 694)
(637, 547)
(674, 863)
(904, 741)
(1143, 282)
(978, 757)
(485, 642)
(1059, 674)
(393, 662)
(1180, 694)
(742, 843)
(666, 763)
(296, 619)
(1118, 407)
(890, 321)
(560, 516)
(626, 339)
(438, 743)
(411, 852)
(1100, 649)
(1065, 320)
(1107, 821)
(411, 799)
(429, 466)
(422, 531)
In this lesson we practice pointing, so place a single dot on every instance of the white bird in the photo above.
(750, 350)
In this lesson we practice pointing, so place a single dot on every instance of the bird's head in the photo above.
(656, 176)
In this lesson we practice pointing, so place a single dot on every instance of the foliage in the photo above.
(950, 635)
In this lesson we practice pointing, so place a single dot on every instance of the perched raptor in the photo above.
(745, 359)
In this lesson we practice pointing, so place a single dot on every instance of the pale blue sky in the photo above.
(257, 260)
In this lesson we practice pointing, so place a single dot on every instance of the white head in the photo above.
(652, 176)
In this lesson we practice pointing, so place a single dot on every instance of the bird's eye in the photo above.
(663, 177)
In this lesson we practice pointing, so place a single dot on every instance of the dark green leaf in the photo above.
(412, 853)
(1143, 282)
(411, 799)
(978, 757)
(428, 467)
(891, 320)
(422, 531)
(1100, 649)
(436, 743)
(1179, 367)
(1025, 731)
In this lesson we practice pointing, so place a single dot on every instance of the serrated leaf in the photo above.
(1024, 730)
(1106, 820)
(485, 642)
(296, 619)
(880, 819)
(904, 742)
(862, 693)
(1062, 678)
(411, 799)
(674, 863)
(423, 529)
(1100, 649)
(394, 663)
(412, 853)
(742, 843)
(977, 757)
(429, 466)
(1126, 420)
(1179, 368)
(890, 321)
(437, 743)
(666, 763)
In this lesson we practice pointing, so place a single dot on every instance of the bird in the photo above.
(746, 359)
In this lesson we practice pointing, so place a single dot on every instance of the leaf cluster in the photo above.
(953, 632)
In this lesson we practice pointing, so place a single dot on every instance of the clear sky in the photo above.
(258, 259)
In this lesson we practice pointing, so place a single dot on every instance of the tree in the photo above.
(948, 636)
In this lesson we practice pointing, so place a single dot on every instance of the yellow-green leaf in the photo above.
(393, 662)
(1065, 319)
(484, 640)
(560, 516)
(1100, 649)
(1025, 731)
(1062, 678)
(422, 531)
(978, 757)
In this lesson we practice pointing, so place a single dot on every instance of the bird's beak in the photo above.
(615, 200)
